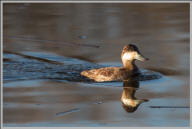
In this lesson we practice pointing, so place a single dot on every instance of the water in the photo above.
(92, 34)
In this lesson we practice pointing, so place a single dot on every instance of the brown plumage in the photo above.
(107, 74)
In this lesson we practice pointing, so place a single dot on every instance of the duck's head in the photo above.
(131, 52)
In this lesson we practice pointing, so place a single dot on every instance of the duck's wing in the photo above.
(102, 74)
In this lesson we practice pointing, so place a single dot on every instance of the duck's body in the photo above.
(129, 54)
(103, 74)
(109, 74)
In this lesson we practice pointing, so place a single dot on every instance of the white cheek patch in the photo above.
(127, 56)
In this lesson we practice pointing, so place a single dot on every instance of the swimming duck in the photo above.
(129, 54)
(129, 102)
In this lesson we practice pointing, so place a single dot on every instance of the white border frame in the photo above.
(1, 33)
(67, 1)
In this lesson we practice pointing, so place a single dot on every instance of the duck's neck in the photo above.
(130, 65)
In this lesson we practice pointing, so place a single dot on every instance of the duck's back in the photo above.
(106, 74)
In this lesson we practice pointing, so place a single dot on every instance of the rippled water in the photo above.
(92, 35)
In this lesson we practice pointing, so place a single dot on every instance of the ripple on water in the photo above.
(30, 66)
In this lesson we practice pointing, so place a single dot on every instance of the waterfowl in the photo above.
(129, 54)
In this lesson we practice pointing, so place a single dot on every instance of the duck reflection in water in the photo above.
(129, 102)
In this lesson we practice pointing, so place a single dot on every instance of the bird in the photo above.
(130, 53)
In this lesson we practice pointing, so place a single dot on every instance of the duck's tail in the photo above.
(84, 73)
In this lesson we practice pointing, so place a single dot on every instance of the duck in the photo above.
(129, 102)
(130, 53)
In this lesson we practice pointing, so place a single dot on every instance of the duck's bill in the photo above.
(144, 100)
(141, 58)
